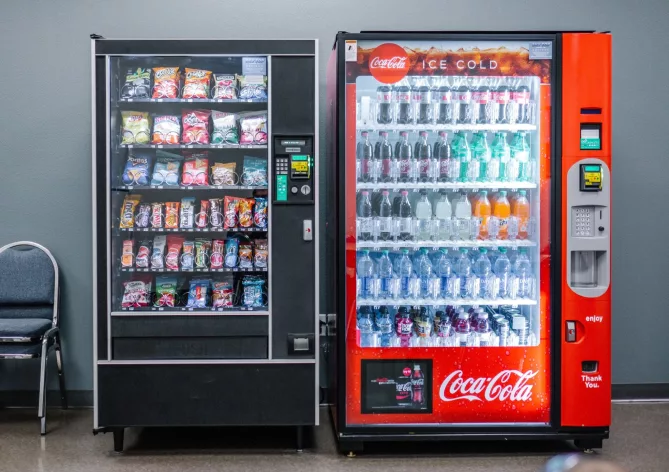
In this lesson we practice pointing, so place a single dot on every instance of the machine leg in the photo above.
(300, 438)
(118, 439)
(588, 445)
(351, 448)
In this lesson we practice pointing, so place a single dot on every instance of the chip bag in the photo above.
(223, 294)
(171, 215)
(130, 202)
(198, 294)
(254, 172)
(174, 244)
(165, 82)
(196, 167)
(158, 252)
(137, 293)
(261, 254)
(253, 127)
(135, 127)
(166, 170)
(143, 216)
(156, 215)
(166, 291)
(143, 254)
(252, 87)
(260, 213)
(202, 247)
(187, 212)
(137, 83)
(252, 291)
(127, 255)
(230, 207)
(217, 251)
(216, 216)
(245, 211)
(202, 218)
(137, 167)
(246, 256)
(231, 252)
(195, 126)
(224, 174)
(225, 128)
(166, 129)
(225, 87)
(188, 255)
(197, 83)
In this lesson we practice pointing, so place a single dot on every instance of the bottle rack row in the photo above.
(224, 269)
(189, 187)
(194, 146)
(515, 302)
(396, 128)
(196, 230)
(192, 100)
(437, 244)
(171, 311)
(436, 186)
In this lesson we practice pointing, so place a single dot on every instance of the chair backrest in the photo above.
(28, 282)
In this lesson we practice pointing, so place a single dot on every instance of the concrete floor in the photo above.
(639, 442)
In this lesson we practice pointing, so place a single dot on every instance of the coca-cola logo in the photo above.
(389, 63)
(508, 385)
(406, 371)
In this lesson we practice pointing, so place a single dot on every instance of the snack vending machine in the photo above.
(471, 212)
(205, 191)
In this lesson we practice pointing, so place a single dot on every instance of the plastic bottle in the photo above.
(467, 277)
(385, 217)
(442, 153)
(423, 217)
(404, 110)
(502, 270)
(385, 157)
(365, 157)
(482, 154)
(385, 327)
(474, 164)
(423, 328)
(462, 102)
(499, 158)
(501, 210)
(515, 157)
(405, 217)
(523, 274)
(521, 97)
(366, 327)
(366, 275)
(462, 212)
(501, 97)
(520, 209)
(482, 211)
(483, 270)
(445, 102)
(405, 157)
(365, 217)
(442, 213)
(460, 151)
(424, 156)
(446, 275)
(520, 151)
(404, 328)
(386, 275)
(462, 329)
(425, 274)
(483, 331)
(405, 273)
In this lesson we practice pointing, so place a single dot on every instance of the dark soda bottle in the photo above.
(365, 156)
(405, 157)
(377, 146)
(386, 158)
(424, 103)
(445, 101)
(443, 155)
(463, 103)
(405, 216)
(384, 113)
(501, 97)
(521, 98)
(404, 113)
(424, 156)
(385, 217)
(481, 99)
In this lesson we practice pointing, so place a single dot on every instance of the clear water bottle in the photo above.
(483, 331)
(386, 275)
(384, 325)
(405, 274)
(483, 270)
(365, 223)
(502, 270)
(366, 328)
(405, 217)
(466, 275)
(366, 275)
(524, 277)
(447, 279)
(423, 217)
(442, 214)
(425, 274)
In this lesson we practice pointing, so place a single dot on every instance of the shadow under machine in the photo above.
(205, 190)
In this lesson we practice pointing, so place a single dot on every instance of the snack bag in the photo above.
(156, 215)
(260, 213)
(245, 209)
(231, 252)
(223, 174)
(143, 216)
(223, 294)
(202, 247)
(217, 250)
(254, 172)
(230, 206)
(245, 256)
(196, 168)
(174, 243)
(166, 170)
(187, 212)
(165, 82)
(225, 87)
(216, 218)
(136, 293)
(127, 255)
(261, 254)
(130, 202)
(166, 129)
(252, 291)
(171, 215)
(225, 128)
(253, 127)
(137, 167)
(196, 84)
(252, 87)
(158, 252)
(166, 291)
(143, 254)
(198, 295)
(195, 126)
(137, 83)
(188, 255)
(135, 127)
(202, 218)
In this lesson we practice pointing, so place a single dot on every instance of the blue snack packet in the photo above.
(137, 167)
(252, 291)
(198, 295)
(254, 172)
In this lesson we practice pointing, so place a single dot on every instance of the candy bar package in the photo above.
(143, 254)
(165, 82)
(137, 292)
(252, 87)
(135, 128)
(202, 247)
(166, 129)
(158, 252)
(217, 252)
(127, 255)
(230, 207)
(246, 256)
(197, 83)
(137, 83)
(188, 255)
(223, 293)
(187, 215)
(202, 217)
(137, 168)
(225, 128)
(195, 126)
(130, 202)
(166, 170)
(245, 212)
(260, 213)
(143, 216)
(198, 294)
(174, 244)
(261, 254)
(156, 215)
(253, 128)
(231, 252)
(166, 291)
(254, 172)
(225, 87)
(252, 291)
(223, 174)
(172, 215)
(216, 215)
(196, 168)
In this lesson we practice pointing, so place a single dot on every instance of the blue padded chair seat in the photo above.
(24, 327)
(22, 349)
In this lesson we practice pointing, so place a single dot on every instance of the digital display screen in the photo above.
(300, 166)
(293, 142)
(591, 178)
(397, 386)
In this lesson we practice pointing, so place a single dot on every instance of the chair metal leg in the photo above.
(42, 387)
(61, 374)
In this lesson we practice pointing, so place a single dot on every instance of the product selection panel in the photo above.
(293, 170)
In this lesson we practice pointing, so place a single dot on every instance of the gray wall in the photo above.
(45, 143)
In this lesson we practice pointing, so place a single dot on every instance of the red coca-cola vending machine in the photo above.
(470, 229)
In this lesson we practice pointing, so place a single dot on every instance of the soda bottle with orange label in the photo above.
(520, 209)
(482, 211)
(501, 210)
